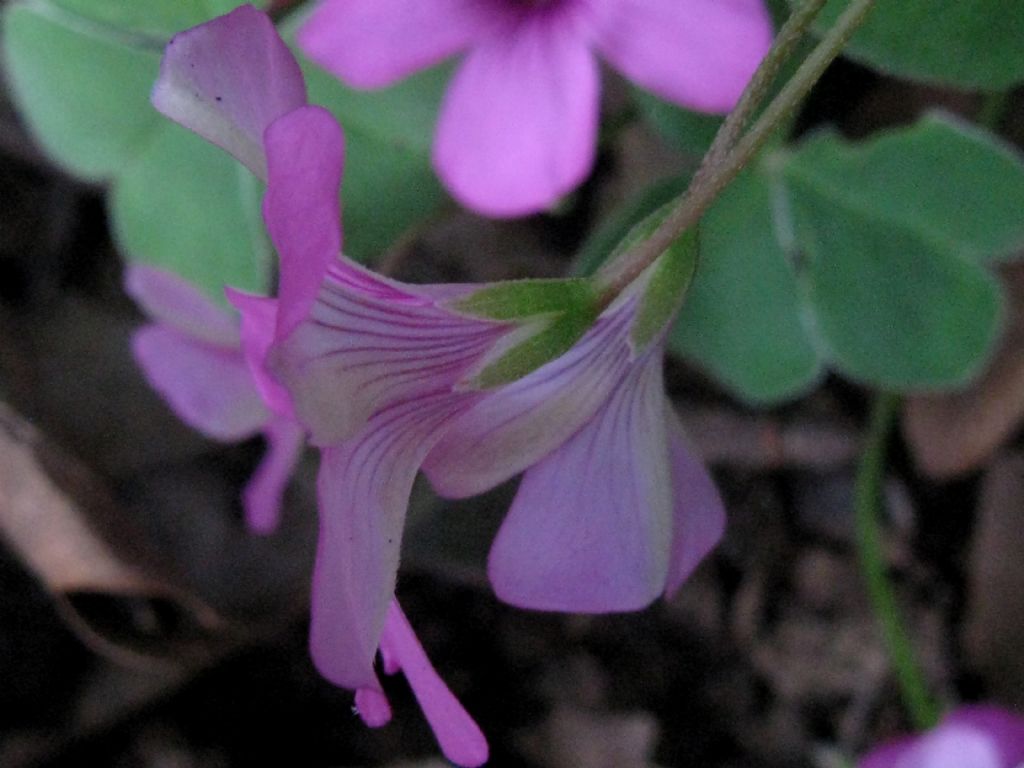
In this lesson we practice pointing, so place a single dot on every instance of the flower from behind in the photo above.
(234, 82)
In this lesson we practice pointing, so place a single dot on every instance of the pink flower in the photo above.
(518, 126)
(192, 356)
(976, 736)
(386, 377)
(613, 510)
(234, 82)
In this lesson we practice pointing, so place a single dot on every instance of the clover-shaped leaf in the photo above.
(81, 72)
(896, 232)
(974, 44)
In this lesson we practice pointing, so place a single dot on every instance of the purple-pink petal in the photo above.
(371, 342)
(373, 43)
(229, 79)
(515, 426)
(590, 526)
(518, 126)
(697, 53)
(1005, 728)
(979, 736)
(698, 513)
(259, 324)
(305, 153)
(261, 498)
(174, 302)
(459, 736)
(372, 707)
(890, 755)
(364, 485)
(207, 386)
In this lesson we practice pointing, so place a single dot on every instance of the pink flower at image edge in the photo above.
(518, 126)
(972, 736)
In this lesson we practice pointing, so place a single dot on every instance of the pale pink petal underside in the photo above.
(207, 386)
(518, 126)
(372, 707)
(305, 153)
(697, 53)
(373, 43)
(515, 426)
(698, 512)
(261, 498)
(364, 485)
(259, 324)
(173, 301)
(459, 736)
(369, 343)
(590, 527)
(229, 79)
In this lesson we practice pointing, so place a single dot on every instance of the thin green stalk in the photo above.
(617, 274)
(785, 43)
(923, 709)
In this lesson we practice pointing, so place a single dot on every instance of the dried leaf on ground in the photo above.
(60, 520)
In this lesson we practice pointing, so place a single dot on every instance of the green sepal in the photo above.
(520, 299)
(533, 345)
(552, 316)
(666, 288)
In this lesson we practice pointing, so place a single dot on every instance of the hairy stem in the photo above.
(785, 43)
(617, 274)
(924, 711)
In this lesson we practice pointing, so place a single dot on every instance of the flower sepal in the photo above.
(551, 315)
(667, 282)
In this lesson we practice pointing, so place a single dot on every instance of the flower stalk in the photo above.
(717, 173)
(923, 709)
(754, 94)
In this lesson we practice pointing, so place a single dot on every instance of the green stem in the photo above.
(617, 274)
(785, 43)
(924, 711)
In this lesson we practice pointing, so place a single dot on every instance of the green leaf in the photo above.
(185, 205)
(973, 44)
(689, 132)
(743, 320)
(157, 18)
(950, 182)
(82, 72)
(897, 305)
(384, 194)
(669, 279)
(83, 90)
